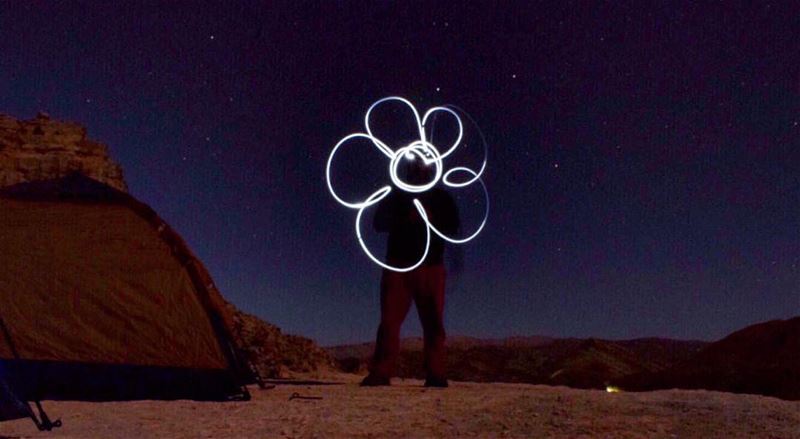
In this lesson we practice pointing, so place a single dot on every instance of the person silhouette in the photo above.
(425, 285)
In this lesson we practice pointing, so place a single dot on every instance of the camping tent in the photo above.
(102, 300)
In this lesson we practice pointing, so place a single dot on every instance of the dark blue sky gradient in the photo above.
(644, 166)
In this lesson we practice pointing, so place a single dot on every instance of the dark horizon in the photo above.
(498, 339)
(644, 161)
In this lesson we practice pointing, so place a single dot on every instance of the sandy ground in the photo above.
(409, 410)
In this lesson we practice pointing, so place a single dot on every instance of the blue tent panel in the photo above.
(10, 406)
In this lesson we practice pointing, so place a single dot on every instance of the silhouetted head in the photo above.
(416, 167)
(419, 172)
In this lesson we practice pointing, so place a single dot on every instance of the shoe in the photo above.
(436, 382)
(374, 381)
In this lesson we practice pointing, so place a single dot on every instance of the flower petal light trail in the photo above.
(430, 155)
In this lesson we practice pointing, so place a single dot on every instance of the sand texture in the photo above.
(409, 410)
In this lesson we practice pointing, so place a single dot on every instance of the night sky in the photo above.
(643, 164)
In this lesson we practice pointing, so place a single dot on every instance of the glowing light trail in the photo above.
(485, 216)
(429, 154)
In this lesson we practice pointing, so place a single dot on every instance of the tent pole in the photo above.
(45, 424)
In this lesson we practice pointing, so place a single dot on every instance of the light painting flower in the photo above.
(424, 150)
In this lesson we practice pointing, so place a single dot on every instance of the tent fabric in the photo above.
(103, 300)
(93, 283)
(40, 380)
(11, 407)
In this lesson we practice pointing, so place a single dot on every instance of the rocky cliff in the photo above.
(44, 149)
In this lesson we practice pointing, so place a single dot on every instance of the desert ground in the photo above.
(409, 410)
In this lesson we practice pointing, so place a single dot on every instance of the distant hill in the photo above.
(582, 363)
(760, 359)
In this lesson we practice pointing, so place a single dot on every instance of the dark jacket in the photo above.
(398, 216)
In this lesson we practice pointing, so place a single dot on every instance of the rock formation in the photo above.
(44, 149)
(273, 354)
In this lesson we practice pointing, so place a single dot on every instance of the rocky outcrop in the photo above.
(273, 354)
(46, 149)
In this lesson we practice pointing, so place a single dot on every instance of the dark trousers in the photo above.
(425, 286)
